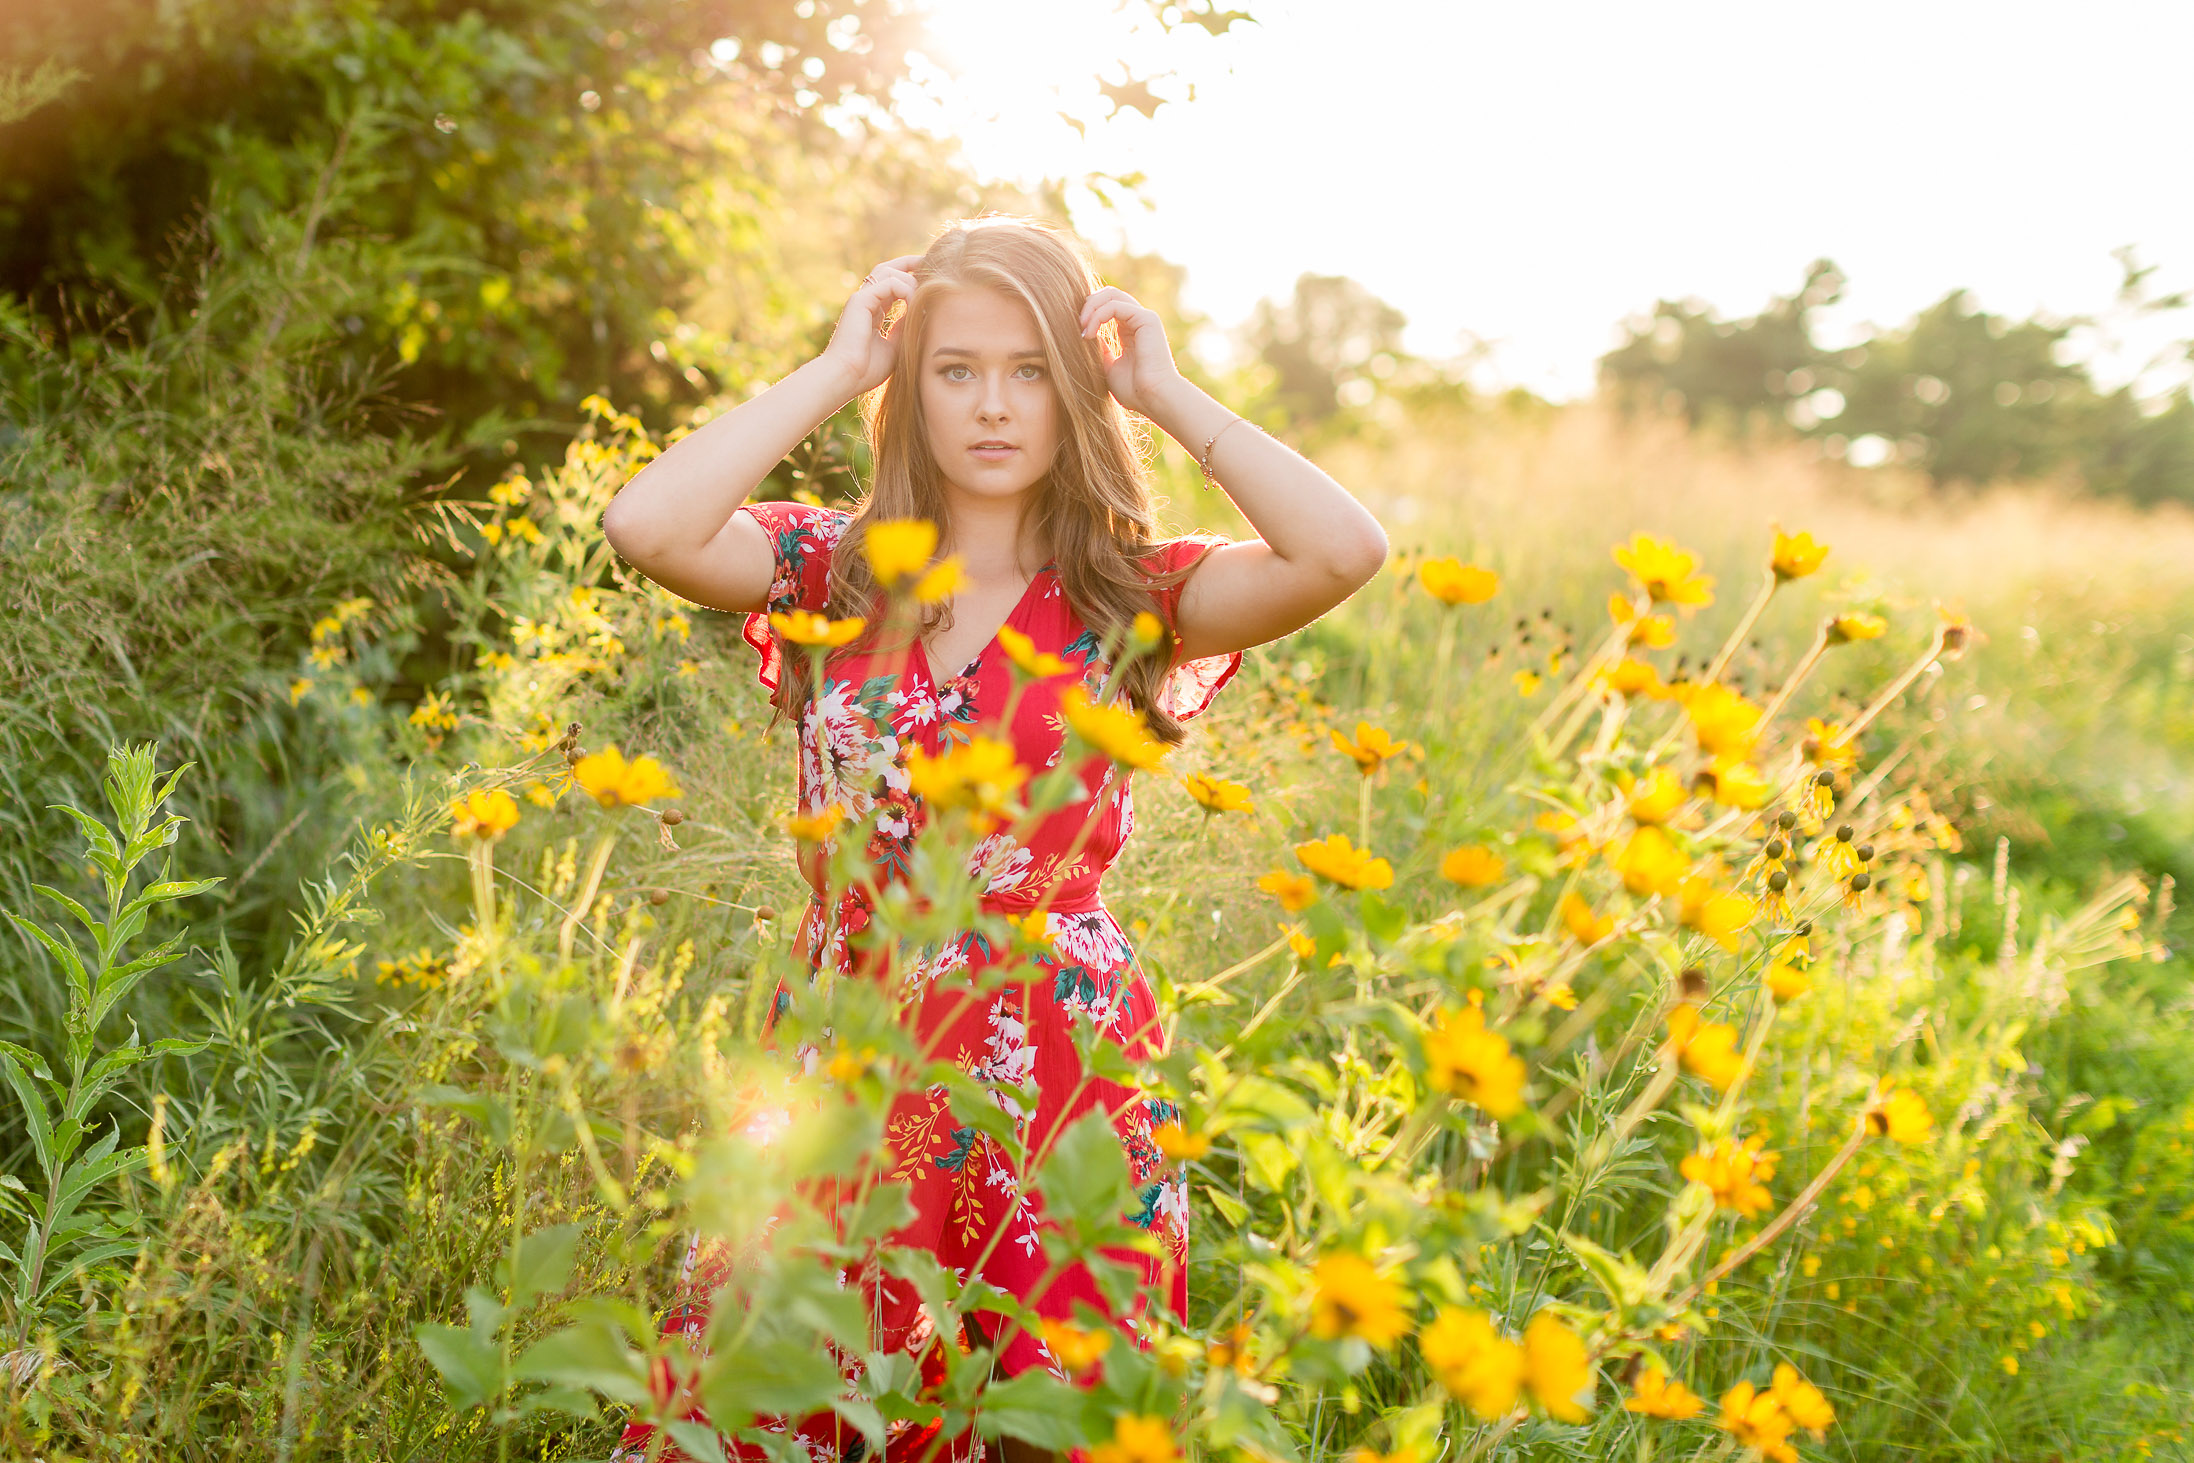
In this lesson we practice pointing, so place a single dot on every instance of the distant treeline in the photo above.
(1960, 394)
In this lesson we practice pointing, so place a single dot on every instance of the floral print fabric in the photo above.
(872, 708)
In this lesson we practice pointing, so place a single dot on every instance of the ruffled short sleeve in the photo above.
(801, 540)
(1193, 683)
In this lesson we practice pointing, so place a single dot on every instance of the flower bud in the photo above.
(1786, 819)
(1861, 881)
(1778, 881)
(1776, 848)
(1843, 833)
(1866, 853)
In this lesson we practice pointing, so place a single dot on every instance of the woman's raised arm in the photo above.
(677, 520)
(1315, 545)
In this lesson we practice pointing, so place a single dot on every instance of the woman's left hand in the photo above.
(1143, 370)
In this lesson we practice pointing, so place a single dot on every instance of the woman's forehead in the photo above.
(981, 322)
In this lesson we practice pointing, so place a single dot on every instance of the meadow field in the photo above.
(1643, 1076)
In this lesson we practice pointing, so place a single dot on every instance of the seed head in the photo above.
(1861, 881)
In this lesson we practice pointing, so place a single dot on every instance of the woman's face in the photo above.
(987, 395)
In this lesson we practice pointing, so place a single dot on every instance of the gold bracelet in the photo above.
(1205, 459)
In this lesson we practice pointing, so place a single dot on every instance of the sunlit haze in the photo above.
(1529, 175)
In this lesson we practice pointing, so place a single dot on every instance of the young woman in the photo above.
(1000, 420)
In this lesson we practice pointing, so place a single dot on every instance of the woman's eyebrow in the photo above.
(961, 350)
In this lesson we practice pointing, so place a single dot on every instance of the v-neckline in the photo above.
(921, 651)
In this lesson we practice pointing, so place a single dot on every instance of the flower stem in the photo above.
(1774, 1228)
(587, 890)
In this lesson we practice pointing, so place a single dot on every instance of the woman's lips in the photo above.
(993, 454)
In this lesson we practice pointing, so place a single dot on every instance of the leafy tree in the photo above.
(1330, 336)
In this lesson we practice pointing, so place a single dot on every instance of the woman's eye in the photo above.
(1035, 373)
(949, 370)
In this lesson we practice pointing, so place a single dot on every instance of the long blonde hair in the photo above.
(1094, 506)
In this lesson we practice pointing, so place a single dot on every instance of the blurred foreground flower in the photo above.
(1465, 1060)
(1735, 1173)
(804, 627)
(897, 547)
(1656, 1396)
(1557, 1368)
(486, 814)
(616, 783)
(1474, 1361)
(1217, 795)
(1667, 574)
(1353, 1299)
(981, 774)
(1117, 731)
(1796, 555)
(1473, 866)
(1453, 582)
(1899, 1114)
(1335, 858)
(1371, 748)
(1136, 1439)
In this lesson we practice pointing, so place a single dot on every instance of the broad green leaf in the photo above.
(1037, 1408)
(1084, 1177)
(776, 1378)
(471, 1369)
(153, 894)
(569, 1401)
(540, 1263)
(835, 1138)
(30, 1060)
(60, 950)
(701, 1442)
(34, 1110)
(65, 1271)
(587, 1356)
(97, 927)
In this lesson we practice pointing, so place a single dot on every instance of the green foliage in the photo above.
(71, 1228)
(1960, 394)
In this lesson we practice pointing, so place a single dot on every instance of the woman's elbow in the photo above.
(1361, 555)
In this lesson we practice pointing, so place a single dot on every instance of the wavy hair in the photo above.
(1093, 507)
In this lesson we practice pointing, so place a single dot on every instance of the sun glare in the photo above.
(1007, 83)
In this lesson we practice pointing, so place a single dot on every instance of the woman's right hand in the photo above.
(860, 347)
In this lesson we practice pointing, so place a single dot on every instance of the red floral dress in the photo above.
(972, 1209)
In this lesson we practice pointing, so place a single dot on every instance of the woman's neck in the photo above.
(995, 537)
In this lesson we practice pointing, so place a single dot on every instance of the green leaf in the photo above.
(116, 983)
(701, 1442)
(153, 894)
(835, 1138)
(67, 1270)
(787, 1378)
(471, 1369)
(30, 1060)
(883, 1209)
(540, 1263)
(1084, 1178)
(1624, 1280)
(972, 1104)
(1384, 920)
(71, 962)
(105, 851)
(484, 1108)
(589, 1356)
(1232, 1210)
(34, 1110)
(97, 927)
(1037, 1408)
(569, 1401)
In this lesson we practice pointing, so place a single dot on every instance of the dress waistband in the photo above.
(1018, 902)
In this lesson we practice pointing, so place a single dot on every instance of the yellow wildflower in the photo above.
(1218, 795)
(1300, 943)
(1655, 797)
(1528, 683)
(1802, 1402)
(1147, 629)
(1136, 1438)
(1557, 1368)
(1899, 1114)
(434, 711)
(1078, 1349)
(1756, 1419)
(1465, 1060)
(1371, 747)
(942, 581)
(1453, 582)
(486, 814)
(1735, 1173)
(1472, 866)
(1480, 1366)
(803, 627)
(817, 826)
(1656, 1396)
(1844, 629)
(1353, 1299)
(325, 626)
(1022, 651)
(1666, 573)
(1633, 677)
(1709, 1049)
(1734, 783)
(1583, 925)
(981, 774)
(1786, 982)
(615, 783)
(1178, 1143)
(1796, 555)
(1827, 745)
(300, 688)
(1296, 892)
(897, 547)
(1725, 723)
(1117, 731)
(526, 529)
(1335, 858)
(1719, 915)
(1650, 862)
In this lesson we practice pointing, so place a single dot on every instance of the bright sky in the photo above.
(1534, 173)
